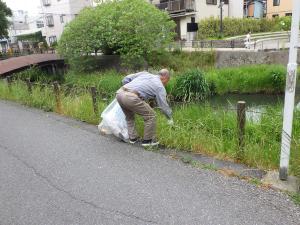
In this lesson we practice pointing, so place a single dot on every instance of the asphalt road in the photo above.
(55, 170)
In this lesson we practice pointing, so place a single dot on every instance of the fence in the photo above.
(259, 45)
(208, 44)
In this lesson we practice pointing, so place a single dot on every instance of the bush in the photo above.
(131, 28)
(210, 28)
(191, 86)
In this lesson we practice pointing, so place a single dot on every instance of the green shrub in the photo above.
(210, 28)
(284, 23)
(191, 86)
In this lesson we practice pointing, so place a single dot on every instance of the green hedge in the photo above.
(210, 28)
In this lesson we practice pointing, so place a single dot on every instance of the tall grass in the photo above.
(201, 129)
(107, 83)
(77, 105)
(248, 79)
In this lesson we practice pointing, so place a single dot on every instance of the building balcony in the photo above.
(46, 2)
(177, 7)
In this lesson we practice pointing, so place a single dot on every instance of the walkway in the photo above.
(55, 170)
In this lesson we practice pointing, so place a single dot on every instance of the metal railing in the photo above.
(177, 6)
(208, 44)
(7, 55)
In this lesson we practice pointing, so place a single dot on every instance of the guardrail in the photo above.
(208, 44)
(7, 55)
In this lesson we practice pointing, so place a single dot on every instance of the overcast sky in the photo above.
(28, 5)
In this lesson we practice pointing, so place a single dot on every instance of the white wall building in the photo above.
(184, 12)
(57, 13)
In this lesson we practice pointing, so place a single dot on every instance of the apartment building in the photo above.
(58, 13)
(186, 13)
(279, 8)
(255, 8)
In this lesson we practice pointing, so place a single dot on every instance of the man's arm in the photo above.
(161, 99)
(130, 77)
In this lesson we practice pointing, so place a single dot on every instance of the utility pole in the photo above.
(221, 17)
(289, 94)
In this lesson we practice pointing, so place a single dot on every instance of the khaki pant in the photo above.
(131, 104)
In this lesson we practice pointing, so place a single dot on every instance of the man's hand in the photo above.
(170, 122)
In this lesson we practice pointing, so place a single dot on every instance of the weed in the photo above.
(295, 197)
(255, 181)
(187, 159)
(210, 167)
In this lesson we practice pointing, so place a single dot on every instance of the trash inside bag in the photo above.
(114, 122)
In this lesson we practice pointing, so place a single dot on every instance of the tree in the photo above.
(4, 23)
(130, 28)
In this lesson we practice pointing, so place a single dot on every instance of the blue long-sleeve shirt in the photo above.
(149, 86)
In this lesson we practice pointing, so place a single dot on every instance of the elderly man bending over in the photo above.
(136, 89)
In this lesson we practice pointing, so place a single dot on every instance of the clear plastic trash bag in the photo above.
(113, 121)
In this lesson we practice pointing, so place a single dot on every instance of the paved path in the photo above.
(55, 170)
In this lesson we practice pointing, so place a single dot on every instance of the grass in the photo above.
(247, 79)
(75, 105)
(295, 197)
(107, 83)
(200, 129)
(178, 61)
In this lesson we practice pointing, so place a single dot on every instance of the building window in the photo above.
(288, 14)
(39, 24)
(52, 39)
(211, 2)
(276, 2)
(62, 18)
(46, 2)
(275, 15)
(226, 2)
(49, 21)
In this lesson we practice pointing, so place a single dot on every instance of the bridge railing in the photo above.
(7, 55)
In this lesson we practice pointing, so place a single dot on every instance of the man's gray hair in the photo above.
(164, 72)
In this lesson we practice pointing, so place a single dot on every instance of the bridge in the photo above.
(51, 63)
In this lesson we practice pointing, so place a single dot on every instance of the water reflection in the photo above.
(255, 103)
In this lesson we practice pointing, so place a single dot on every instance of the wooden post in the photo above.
(94, 98)
(53, 69)
(9, 82)
(241, 121)
(57, 97)
(29, 85)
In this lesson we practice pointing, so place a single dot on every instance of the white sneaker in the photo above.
(147, 143)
